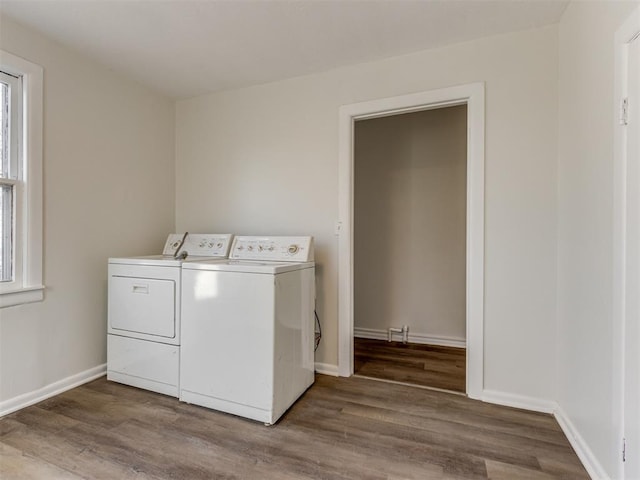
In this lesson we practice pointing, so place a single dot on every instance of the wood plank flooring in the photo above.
(342, 428)
(425, 365)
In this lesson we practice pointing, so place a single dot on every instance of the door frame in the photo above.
(471, 95)
(627, 33)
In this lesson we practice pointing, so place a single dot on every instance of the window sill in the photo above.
(21, 296)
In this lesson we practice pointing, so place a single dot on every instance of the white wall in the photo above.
(265, 160)
(410, 223)
(585, 264)
(108, 190)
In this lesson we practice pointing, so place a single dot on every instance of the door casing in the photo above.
(473, 96)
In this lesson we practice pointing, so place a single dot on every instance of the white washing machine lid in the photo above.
(247, 266)
(160, 260)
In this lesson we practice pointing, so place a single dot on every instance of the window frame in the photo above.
(27, 285)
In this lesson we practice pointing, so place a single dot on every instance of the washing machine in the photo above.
(248, 328)
(143, 321)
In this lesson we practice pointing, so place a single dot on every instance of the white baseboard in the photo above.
(518, 401)
(441, 341)
(327, 369)
(589, 461)
(55, 388)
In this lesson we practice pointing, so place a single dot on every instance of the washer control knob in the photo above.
(293, 249)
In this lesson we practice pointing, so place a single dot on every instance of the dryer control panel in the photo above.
(274, 249)
(199, 244)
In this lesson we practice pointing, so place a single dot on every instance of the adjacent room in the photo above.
(448, 191)
(410, 247)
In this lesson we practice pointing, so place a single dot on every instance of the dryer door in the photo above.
(142, 305)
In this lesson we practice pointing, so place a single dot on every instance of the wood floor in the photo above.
(342, 428)
(425, 365)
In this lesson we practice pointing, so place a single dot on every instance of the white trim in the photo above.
(586, 456)
(518, 401)
(29, 223)
(624, 35)
(327, 369)
(51, 390)
(22, 296)
(437, 340)
(590, 462)
(473, 96)
(371, 333)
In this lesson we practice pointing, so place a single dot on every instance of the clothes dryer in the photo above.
(143, 321)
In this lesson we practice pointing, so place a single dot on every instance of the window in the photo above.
(20, 181)
(10, 112)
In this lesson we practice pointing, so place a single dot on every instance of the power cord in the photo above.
(318, 334)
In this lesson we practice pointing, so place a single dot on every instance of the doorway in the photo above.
(410, 247)
(471, 95)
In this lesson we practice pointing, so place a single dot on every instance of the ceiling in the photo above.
(185, 48)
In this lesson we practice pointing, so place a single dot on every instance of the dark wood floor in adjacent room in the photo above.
(342, 428)
(424, 365)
